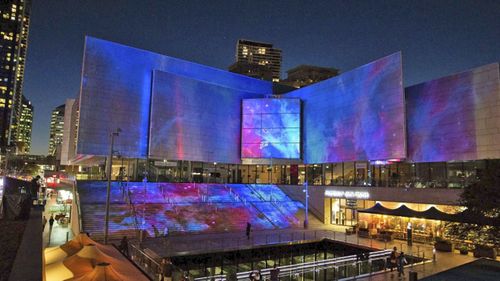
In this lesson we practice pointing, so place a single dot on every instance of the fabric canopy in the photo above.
(377, 209)
(103, 271)
(56, 254)
(433, 214)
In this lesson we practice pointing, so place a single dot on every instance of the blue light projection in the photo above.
(190, 207)
(357, 116)
(271, 128)
(116, 93)
(448, 117)
(195, 120)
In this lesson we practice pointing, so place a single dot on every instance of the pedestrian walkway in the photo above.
(60, 233)
(216, 242)
(444, 261)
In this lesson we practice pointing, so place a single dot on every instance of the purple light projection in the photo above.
(270, 128)
(450, 118)
(195, 120)
(120, 77)
(357, 116)
(189, 207)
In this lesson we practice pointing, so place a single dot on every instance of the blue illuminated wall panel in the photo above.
(455, 117)
(271, 128)
(357, 116)
(116, 91)
(195, 120)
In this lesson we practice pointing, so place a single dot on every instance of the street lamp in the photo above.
(306, 191)
(108, 174)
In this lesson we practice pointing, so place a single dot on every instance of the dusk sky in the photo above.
(436, 38)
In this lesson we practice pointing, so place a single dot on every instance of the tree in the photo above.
(482, 199)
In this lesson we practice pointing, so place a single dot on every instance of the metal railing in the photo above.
(315, 266)
(77, 206)
(149, 261)
(128, 200)
(293, 221)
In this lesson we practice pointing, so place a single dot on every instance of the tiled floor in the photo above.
(59, 233)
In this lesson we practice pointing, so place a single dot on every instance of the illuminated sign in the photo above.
(347, 194)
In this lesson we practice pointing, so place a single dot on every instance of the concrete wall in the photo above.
(411, 195)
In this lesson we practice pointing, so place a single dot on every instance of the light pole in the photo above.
(108, 174)
(306, 191)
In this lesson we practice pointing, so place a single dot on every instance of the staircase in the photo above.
(185, 208)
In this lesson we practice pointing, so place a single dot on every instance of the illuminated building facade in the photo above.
(258, 60)
(360, 128)
(25, 126)
(14, 27)
(56, 129)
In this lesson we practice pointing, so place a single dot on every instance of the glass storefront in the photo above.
(345, 212)
(359, 173)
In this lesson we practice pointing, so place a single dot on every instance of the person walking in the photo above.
(167, 269)
(51, 222)
(249, 229)
(401, 263)
(44, 222)
(393, 258)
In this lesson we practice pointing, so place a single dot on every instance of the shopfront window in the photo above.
(423, 175)
(337, 174)
(349, 173)
(438, 175)
(456, 174)
(302, 174)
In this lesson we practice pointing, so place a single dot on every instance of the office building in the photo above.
(14, 27)
(256, 59)
(56, 129)
(24, 127)
(304, 75)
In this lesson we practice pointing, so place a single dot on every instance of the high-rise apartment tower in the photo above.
(56, 129)
(14, 27)
(257, 59)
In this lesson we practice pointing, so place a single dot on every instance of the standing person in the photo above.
(249, 229)
(393, 258)
(44, 222)
(51, 222)
(409, 233)
(275, 272)
(124, 246)
(165, 231)
(401, 263)
(167, 269)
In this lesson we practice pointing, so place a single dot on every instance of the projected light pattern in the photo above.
(188, 207)
(195, 120)
(448, 120)
(270, 128)
(120, 77)
(357, 116)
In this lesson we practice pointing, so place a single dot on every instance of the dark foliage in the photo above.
(482, 200)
